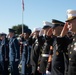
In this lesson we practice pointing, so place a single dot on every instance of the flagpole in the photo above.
(22, 21)
(22, 16)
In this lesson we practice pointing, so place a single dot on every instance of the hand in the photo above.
(50, 31)
(16, 60)
(65, 30)
(6, 59)
(48, 72)
(41, 32)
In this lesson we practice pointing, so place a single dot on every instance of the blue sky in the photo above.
(36, 11)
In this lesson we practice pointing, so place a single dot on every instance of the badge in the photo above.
(57, 53)
(74, 46)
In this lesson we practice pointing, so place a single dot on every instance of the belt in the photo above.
(45, 55)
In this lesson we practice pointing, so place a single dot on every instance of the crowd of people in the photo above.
(50, 50)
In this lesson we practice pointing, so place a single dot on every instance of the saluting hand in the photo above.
(41, 32)
(50, 31)
(65, 30)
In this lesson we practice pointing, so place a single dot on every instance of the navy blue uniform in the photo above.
(35, 52)
(45, 54)
(72, 56)
(4, 56)
(59, 46)
(26, 58)
(14, 55)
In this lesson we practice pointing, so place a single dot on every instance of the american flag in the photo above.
(23, 5)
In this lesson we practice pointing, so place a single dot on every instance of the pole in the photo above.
(22, 21)
(22, 16)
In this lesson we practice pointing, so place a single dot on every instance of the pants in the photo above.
(2, 67)
(6, 64)
(14, 68)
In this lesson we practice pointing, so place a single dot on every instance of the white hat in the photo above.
(71, 14)
(37, 29)
(46, 24)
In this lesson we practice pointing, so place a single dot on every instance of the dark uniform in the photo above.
(14, 54)
(25, 57)
(72, 56)
(35, 51)
(4, 55)
(45, 54)
(45, 48)
(58, 48)
(66, 58)
(26, 68)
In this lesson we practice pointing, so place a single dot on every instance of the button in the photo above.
(57, 53)
(66, 53)
(71, 45)
(70, 52)
(69, 58)
(59, 67)
(74, 39)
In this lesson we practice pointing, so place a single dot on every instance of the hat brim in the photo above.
(69, 19)
(46, 27)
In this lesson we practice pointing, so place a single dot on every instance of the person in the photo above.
(35, 51)
(26, 69)
(57, 65)
(4, 54)
(45, 47)
(14, 53)
(70, 25)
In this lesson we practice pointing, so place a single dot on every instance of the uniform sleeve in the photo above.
(17, 49)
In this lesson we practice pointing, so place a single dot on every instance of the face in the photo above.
(72, 25)
(26, 35)
(11, 34)
(2, 37)
(57, 30)
(36, 33)
(45, 30)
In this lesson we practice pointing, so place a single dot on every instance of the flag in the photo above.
(23, 5)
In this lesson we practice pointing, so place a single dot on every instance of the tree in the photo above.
(18, 28)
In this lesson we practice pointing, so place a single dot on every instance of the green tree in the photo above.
(18, 28)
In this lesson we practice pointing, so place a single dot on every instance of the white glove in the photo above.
(41, 32)
(48, 72)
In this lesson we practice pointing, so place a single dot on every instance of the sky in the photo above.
(35, 12)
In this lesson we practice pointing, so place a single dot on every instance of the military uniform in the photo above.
(45, 54)
(35, 51)
(14, 53)
(72, 56)
(26, 58)
(4, 56)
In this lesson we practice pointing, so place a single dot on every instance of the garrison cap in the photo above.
(27, 31)
(46, 24)
(71, 14)
(56, 23)
(11, 30)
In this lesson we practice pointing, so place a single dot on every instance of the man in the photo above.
(4, 54)
(26, 68)
(45, 47)
(57, 67)
(14, 53)
(35, 51)
(71, 26)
